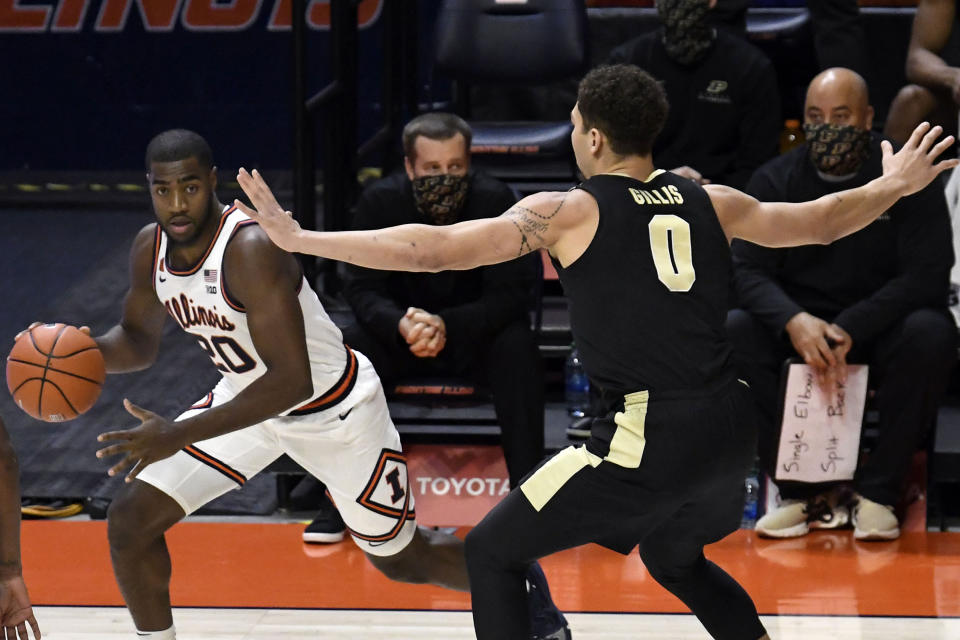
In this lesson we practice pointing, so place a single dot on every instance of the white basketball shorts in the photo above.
(352, 447)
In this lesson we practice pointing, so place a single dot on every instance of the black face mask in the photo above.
(687, 36)
(440, 198)
(837, 150)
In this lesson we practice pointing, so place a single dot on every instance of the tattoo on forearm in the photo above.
(531, 224)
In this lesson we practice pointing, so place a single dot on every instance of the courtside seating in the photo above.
(516, 45)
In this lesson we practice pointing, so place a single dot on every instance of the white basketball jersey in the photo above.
(200, 303)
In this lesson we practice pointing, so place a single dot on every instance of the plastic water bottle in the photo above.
(577, 385)
(792, 135)
(751, 502)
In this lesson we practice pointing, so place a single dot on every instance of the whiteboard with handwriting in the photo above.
(820, 434)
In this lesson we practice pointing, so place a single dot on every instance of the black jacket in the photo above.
(724, 118)
(864, 282)
(474, 304)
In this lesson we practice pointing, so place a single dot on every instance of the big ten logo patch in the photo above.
(456, 485)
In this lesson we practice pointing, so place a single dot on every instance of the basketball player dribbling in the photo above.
(644, 257)
(289, 385)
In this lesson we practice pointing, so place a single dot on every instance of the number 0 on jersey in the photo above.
(672, 253)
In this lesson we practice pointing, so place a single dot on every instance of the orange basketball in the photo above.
(55, 372)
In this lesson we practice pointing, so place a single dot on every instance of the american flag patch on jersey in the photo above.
(209, 275)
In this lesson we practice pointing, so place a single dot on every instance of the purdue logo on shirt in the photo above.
(716, 92)
(717, 86)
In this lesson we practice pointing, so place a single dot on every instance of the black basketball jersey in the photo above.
(648, 298)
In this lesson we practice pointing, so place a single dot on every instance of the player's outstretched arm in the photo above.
(132, 344)
(15, 610)
(534, 222)
(822, 221)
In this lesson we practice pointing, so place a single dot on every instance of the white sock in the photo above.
(166, 634)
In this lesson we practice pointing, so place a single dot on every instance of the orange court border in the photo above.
(265, 565)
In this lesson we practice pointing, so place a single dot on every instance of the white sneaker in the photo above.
(789, 520)
(874, 521)
(796, 517)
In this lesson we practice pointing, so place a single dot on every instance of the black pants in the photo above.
(508, 362)
(693, 454)
(910, 366)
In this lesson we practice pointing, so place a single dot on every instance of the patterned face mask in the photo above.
(440, 198)
(837, 150)
(687, 36)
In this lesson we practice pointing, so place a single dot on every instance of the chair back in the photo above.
(511, 41)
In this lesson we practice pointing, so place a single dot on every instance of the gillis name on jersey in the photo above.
(664, 195)
(188, 315)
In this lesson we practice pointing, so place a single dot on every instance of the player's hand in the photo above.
(690, 173)
(913, 164)
(155, 439)
(279, 224)
(33, 325)
(15, 609)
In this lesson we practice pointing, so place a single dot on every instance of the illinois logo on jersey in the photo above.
(388, 493)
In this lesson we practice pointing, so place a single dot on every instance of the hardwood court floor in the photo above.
(271, 585)
(101, 623)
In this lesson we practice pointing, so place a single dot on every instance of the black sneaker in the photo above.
(327, 527)
(580, 428)
(546, 621)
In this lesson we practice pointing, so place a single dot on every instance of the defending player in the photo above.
(289, 385)
(644, 257)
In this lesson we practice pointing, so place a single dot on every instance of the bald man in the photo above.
(877, 296)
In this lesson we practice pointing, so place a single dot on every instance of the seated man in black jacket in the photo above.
(469, 323)
(877, 296)
(724, 118)
(474, 323)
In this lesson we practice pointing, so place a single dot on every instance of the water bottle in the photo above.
(751, 502)
(577, 385)
(791, 136)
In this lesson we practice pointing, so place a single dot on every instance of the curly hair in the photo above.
(179, 144)
(626, 104)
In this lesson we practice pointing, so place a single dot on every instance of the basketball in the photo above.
(55, 372)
